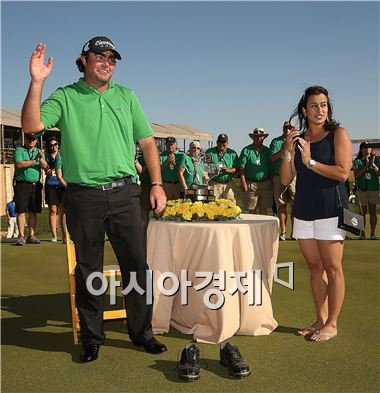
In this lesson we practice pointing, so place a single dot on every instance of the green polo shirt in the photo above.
(257, 165)
(31, 174)
(170, 172)
(229, 159)
(274, 147)
(144, 177)
(99, 131)
(369, 181)
(188, 165)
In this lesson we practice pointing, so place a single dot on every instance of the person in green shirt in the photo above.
(170, 160)
(191, 169)
(255, 170)
(282, 195)
(100, 122)
(227, 160)
(28, 160)
(367, 171)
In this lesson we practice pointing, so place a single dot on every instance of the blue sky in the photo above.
(218, 66)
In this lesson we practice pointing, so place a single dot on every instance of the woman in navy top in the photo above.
(321, 157)
(53, 189)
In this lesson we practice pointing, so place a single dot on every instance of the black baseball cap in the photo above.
(170, 140)
(33, 135)
(222, 138)
(100, 44)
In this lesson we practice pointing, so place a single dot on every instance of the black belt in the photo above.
(170, 181)
(117, 183)
(25, 182)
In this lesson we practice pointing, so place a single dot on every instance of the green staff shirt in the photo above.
(31, 174)
(257, 165)
(170, 172)
(274, 147)
(99, 131)
(229, 159)
(369, 181)
(144, 177)
(188, 165)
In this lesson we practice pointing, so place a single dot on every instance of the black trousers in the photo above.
(91, 213)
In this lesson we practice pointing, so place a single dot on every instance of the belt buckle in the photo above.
(109, 186)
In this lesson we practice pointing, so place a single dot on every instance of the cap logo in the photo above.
(86, 47)
(106, 44)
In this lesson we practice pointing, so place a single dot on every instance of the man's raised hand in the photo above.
(39, 71)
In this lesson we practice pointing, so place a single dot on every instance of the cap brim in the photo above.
(253, 135)
(101, 50)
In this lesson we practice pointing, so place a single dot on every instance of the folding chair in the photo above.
(107, 271)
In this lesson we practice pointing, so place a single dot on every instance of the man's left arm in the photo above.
(157, 194)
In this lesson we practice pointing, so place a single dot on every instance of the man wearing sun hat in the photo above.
(170, 160)
(227, 160)
(100, 121)
(255, 167)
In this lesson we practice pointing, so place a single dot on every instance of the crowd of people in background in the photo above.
(257, 166)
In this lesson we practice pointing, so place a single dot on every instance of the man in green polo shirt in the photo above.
(170, 160)
(28, 160)
(191, 169)
(282, 194)
(255, 168)
(100, 122)
(367, 171)
(227, 160)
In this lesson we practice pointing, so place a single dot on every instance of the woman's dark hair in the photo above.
(47, 146)
(330, 123)
(79, 63)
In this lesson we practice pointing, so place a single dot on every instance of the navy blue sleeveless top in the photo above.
(316, 196)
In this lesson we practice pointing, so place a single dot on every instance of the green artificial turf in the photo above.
(38, 354)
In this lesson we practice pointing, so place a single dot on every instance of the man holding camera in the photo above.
(170, 160)
(367, 171)
(28, 160)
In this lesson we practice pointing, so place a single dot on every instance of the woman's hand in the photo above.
(290, 140)
(304, 148)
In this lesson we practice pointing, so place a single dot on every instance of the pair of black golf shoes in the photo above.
(230, 357)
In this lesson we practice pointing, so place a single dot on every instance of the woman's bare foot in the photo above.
(310, 330)
(324, 334)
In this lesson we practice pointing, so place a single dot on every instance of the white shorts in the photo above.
(323, 229)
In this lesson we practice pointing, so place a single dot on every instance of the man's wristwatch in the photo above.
(310, 163)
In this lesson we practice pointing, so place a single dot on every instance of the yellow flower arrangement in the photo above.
(185, 210)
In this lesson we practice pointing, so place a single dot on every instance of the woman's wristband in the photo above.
(157, 183)
(286, 157)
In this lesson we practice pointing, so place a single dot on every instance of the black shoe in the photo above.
(230, 357)
(153, 346)
(189, 367)
(89, 352)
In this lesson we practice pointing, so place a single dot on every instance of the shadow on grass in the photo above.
(38, 323)
(286, 329)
